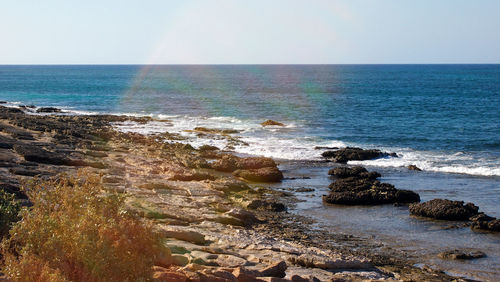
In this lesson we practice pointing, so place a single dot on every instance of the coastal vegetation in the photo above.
(74, 231)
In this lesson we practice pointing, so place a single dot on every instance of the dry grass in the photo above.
(74, 232)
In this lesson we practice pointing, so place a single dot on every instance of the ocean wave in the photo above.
(292, 143)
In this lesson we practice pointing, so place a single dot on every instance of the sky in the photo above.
(249, 32)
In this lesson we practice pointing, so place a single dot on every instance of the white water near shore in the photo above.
(293, 143)
(290, 143)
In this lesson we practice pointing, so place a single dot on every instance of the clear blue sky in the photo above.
(251, 31)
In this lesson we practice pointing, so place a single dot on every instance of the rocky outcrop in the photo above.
(230, 163)
(485, 223)
(355, 154)
(357, 186)
(265, 174)
(48, 110)
(461, 254)
(270, 122)
(414, 167)
(355, 171)
(444, 209)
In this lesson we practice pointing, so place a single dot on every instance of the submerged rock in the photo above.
(355, 154)
(215, 130)
(485, 222)
(444, 209)
(272, 122)
(461, 254)
(414, 167)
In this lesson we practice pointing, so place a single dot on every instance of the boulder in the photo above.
(270, 122)
(357, 186)
(230, 163)
(355, 154)
(266, 205)
(444, 209)
(355, 171)
(266, 174)
(275, 270)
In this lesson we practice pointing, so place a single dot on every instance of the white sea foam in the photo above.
(291, 143)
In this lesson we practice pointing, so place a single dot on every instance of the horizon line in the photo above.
(238, 64)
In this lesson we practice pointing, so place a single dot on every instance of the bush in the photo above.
(75, 232)
(9, 212)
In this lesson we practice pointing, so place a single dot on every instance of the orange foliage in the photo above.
(76, 232)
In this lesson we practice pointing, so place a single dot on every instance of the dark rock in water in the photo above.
(27, 106)
(355, 154)
(208, 148)
(215, 130)
(48, 110)
(3, 102)
(355, 171)
(357, 186)
(266, 205)
(414, 167)
(325, 148)
(265, 174)
(271, 122)
(485, 222)
(461, 254)
(444, 209)
(377, 195)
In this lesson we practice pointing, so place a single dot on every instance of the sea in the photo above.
(445, 119)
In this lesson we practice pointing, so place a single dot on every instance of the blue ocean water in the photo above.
(441, 117)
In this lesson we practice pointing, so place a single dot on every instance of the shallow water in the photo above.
(393, 227)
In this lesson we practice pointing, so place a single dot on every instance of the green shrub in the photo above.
(9, 212)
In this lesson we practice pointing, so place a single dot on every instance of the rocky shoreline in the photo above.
(219, 224)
